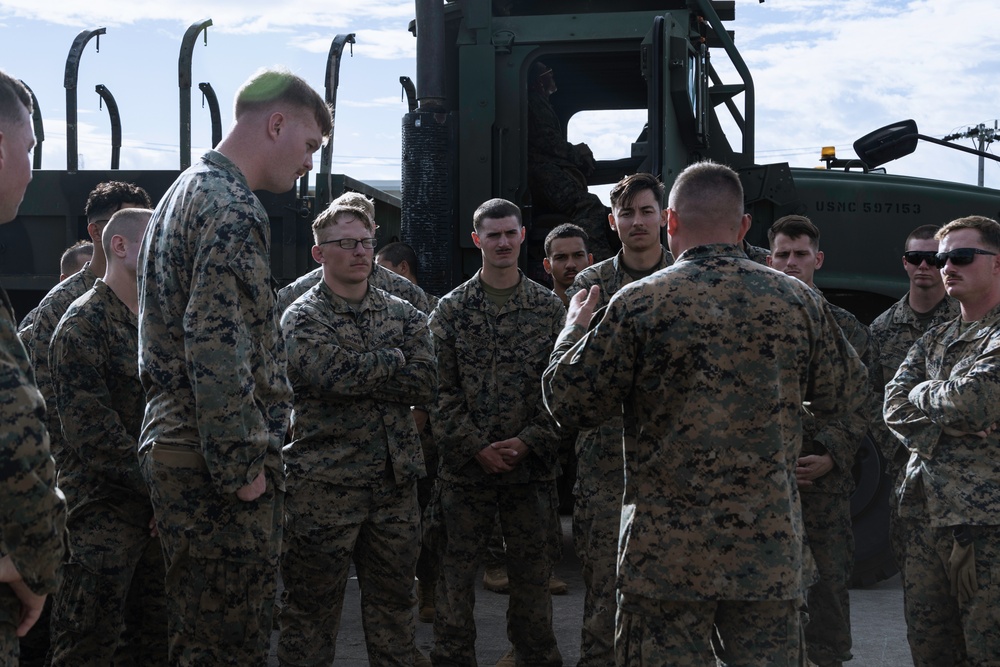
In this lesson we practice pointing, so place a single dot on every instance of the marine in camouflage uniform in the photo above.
(829, 448)
(212, 362)
(355, 456)
(498, 447)
(710, 361)
(557, 169)
(32, 509)
(600, 483)
(895, 331)
(943, 404)
(826, 511)
(95, 374)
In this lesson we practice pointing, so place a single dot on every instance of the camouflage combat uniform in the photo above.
(47, 315)
(36, 336)
(94, 364)
(212, 362)
(950, 378)
(600, 483)
(380, 277)
(826, 511)
(895, 331)
(32, 509)
(352, 467)
(490, 362)
(556, 175)
(710, 360)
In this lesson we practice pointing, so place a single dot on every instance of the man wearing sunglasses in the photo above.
(925, 305)
(824, 466)
(358, 358)
(944, 405)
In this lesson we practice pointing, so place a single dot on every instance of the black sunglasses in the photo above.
(914, 257)
(960, 256)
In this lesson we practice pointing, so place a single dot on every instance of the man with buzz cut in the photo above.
(637, 216)
(924, 306)
(32, 509)
(94, 357)
(358, 358)
(709, 361)
(497, 446)
(823, 472)
(565, 256)
(212, 363)
(944, 406)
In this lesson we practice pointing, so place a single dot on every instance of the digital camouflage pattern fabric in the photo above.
(353, 392)
(32, 509)
(949, 379)
(895, 331)
(380, 277)
(490, 360)
(600, 483)
(94, 365)
(39, 335)
(212, 362)
(352, 467)
(826, 510)
(714, 355)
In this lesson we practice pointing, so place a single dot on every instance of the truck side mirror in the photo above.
(887, 143)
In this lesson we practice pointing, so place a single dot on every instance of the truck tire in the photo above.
(873, 559)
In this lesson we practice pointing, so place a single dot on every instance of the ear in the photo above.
(94, 232)
(663, 217)
(745, 223)
(404, 267)
(275, 123)
(317, 254)
(819, 259)
(673, 222)
(118, 246)
(768, 259)
(590, 259)
(547, 265)
(475, 239)
(523, 232)
(611, 221)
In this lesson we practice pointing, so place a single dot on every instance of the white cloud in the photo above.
(386, 44)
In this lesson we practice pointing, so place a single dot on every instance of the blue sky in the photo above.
(826, 72)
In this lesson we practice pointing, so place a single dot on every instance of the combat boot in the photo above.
(495, 578)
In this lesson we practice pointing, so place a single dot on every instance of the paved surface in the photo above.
(877, 619)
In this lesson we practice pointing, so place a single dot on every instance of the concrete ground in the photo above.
(876, 612)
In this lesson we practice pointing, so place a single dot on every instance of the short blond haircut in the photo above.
(988, 228)
(349, 203)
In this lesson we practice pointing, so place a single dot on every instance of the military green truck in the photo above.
(465, 140)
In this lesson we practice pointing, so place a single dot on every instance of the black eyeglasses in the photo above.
(960, 256)
(915, 257)
(351, 244)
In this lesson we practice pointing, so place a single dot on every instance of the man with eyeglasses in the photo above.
(944, 405)
(925, 305)
(358, 358)
(824, 466)
(498, 447)
(380, 277)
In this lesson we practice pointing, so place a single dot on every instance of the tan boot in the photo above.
(425, 601)
(507, 660)
(557, 586)
(495, 579)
